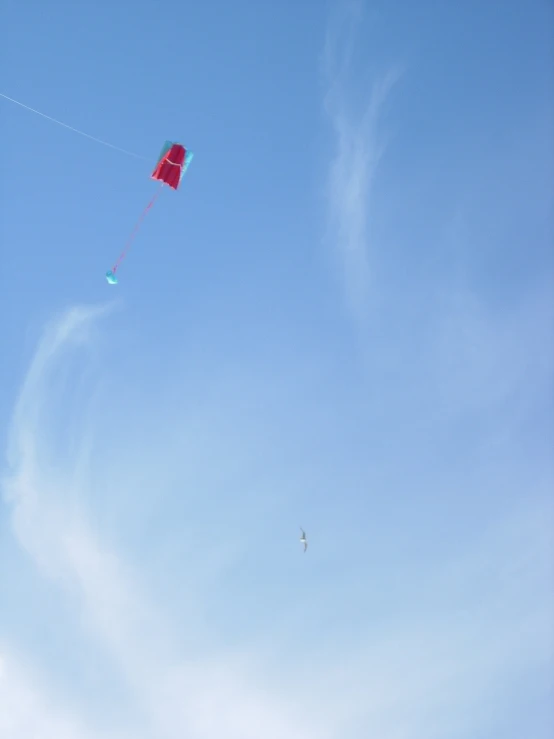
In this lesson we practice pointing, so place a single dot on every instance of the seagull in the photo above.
(303, 539)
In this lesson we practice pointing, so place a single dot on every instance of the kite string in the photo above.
(135, 231)
(76, 130)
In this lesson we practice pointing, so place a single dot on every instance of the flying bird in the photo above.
(303, 539)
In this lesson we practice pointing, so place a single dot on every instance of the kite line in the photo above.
(111, 274)
(75, 130)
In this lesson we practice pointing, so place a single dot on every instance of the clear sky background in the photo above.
(343, 321)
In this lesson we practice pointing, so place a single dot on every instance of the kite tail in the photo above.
(134, 232)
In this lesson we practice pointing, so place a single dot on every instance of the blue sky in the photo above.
(342, 321)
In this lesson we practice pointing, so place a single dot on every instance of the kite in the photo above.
(170, 169)
(303, 539)
(172, 164)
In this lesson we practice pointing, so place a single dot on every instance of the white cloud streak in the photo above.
(205, 700)
(420, 674)
(360, 147)
(26, 712)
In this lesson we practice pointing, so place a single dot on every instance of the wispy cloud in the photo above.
(25, 711)
(418, 672)
(206, 699)
(360, 146)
